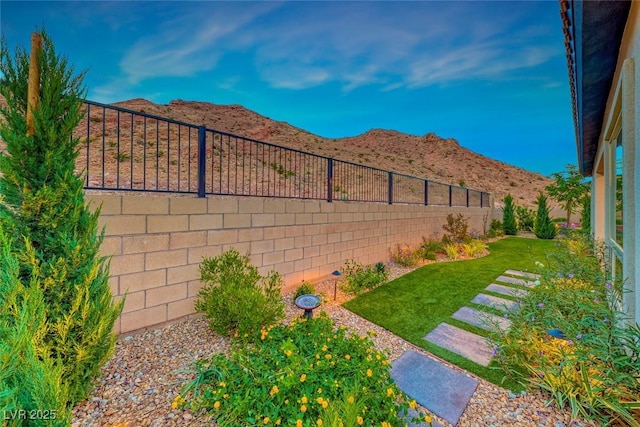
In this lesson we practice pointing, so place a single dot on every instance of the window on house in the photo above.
(619, 225)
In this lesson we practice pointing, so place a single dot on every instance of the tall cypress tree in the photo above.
(509, 216)
(543, 227)
(55, 236)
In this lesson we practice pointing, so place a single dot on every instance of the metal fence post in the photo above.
(202, 159)
(329, 180)
(426, 192)
(467, 197)
(390, 187)
(450, 195)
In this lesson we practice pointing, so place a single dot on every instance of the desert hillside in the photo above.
(428, 156)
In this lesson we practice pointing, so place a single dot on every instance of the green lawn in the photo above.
(414, 304)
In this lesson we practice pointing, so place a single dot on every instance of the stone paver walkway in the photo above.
(440, 389)
(481, 319)
(495, 302)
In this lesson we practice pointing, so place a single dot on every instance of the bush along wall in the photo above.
(53, 276)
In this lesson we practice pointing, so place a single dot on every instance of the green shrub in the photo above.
(544, 228)
(235, 297)
(297, 375)
(305, 288)
(429, 249)
(509, 225)
(525, 218)
(56, 237)
(29, 379)
(595, 370)
(359, 278)
(495, 228)
(457, 226)
(405, 256)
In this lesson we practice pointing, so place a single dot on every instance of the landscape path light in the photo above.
(336, 275)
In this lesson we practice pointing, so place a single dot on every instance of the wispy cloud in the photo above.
(418, 44)
(190, 43)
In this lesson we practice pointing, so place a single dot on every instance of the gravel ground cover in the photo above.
(149, 368)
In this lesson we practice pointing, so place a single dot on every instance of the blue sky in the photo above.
(492, 75)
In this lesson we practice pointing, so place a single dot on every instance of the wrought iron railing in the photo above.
(130, 150)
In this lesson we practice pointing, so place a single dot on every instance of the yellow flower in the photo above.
(325, 348)
(369, 372)
(216, 405)
(327, 356)
(224, 396)
(389, 392)
(278, 422)
(288, 352)
(319, 422)
(360, 421)
(304, 399)
(413, 404)
(347, 356)
(298, 423)
(303, 409)
(223, 384)
(385, 424)
(319, 400)
(427, 419)
(320, 391)
(266, 420)
(274, 390)
(351, 399)
(303, 377)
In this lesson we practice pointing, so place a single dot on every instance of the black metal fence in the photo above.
(135, 151)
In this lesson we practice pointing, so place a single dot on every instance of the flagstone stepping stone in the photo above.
(465, 343)
(442, 390)
(515, 281)
(507, 290)
(481, 319)
(494, 302)
(522, 274)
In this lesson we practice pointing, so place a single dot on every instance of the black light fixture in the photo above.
(336, 274)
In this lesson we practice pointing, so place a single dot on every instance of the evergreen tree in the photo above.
(509, 216)
(55, 236)
(543, 227)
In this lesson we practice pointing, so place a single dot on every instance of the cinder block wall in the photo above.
(157, 242)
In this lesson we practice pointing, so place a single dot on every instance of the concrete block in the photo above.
(178, 309)
(124, 264)
(188, 239)
(220, 237)
(143, 280)
(143, 318)
(164, 259)
(222, 205)
(167, 223)
(205, 222)
(123, 224)
(165, 294)
(139, 205)
(195, 255)
(187, 205)
(145, 243)
(236, 220)
(183, 273)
